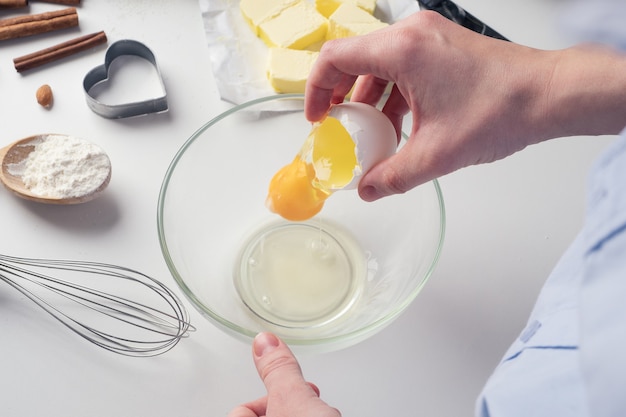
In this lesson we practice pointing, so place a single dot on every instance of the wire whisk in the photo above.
(117, 308)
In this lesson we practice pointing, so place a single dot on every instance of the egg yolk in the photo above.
(326, 162)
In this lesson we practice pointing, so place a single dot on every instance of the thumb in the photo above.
(420, 160)
(394, 175)
(277, 366)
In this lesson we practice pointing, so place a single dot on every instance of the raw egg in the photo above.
(351, 139)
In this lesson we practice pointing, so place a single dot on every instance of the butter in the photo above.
(295, 30)
(350, 20)
(288, 69)
(328, 7)
(296, 27)
(256, 12)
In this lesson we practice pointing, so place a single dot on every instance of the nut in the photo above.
(44, 95)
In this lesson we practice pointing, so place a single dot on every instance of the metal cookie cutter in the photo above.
(101, 73)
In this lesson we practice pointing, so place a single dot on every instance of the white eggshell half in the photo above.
(372, 132)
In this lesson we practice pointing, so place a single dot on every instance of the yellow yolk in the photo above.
(291, 194)
(325, 163)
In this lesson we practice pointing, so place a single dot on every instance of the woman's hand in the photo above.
(288, 394)
(473, 99)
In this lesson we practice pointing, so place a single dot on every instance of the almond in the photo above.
(44, 95)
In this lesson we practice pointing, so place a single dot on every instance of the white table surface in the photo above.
(507, 224)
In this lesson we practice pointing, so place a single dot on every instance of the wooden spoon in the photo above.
(16, 153)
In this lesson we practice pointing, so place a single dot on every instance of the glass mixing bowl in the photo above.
(320, 285)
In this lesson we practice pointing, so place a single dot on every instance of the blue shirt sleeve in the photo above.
(570, 360)
(603, 289)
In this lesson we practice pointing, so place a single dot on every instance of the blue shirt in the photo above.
(570, 360)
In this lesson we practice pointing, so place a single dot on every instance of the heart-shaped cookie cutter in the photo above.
(101, 73)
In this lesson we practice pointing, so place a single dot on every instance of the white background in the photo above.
(507, 224)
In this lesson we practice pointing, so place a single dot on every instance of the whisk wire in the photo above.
(148, 329)
(130, 305)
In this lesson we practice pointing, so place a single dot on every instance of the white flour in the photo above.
(64, 167)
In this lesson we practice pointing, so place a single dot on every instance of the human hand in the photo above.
(473, 99)
(288, 394)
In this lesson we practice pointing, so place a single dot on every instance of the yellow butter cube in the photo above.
(296, 27)
(328, 7)
(288, 69)
(256, 12)
(350, 20)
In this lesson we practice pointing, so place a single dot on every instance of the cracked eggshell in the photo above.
(372, 132)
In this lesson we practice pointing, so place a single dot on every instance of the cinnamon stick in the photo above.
(67, 2)
(34, 24)
(62, 50)
(8, 4)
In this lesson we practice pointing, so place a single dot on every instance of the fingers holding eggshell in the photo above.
(329, 82)
(340, 149)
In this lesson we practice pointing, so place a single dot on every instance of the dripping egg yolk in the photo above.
(326, 162)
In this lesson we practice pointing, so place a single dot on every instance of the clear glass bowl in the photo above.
(323, 284)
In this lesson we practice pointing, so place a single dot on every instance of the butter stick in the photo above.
(350, 20)
(296, 27)
(288, 69)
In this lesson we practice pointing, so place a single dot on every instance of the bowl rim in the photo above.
(371, 328)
